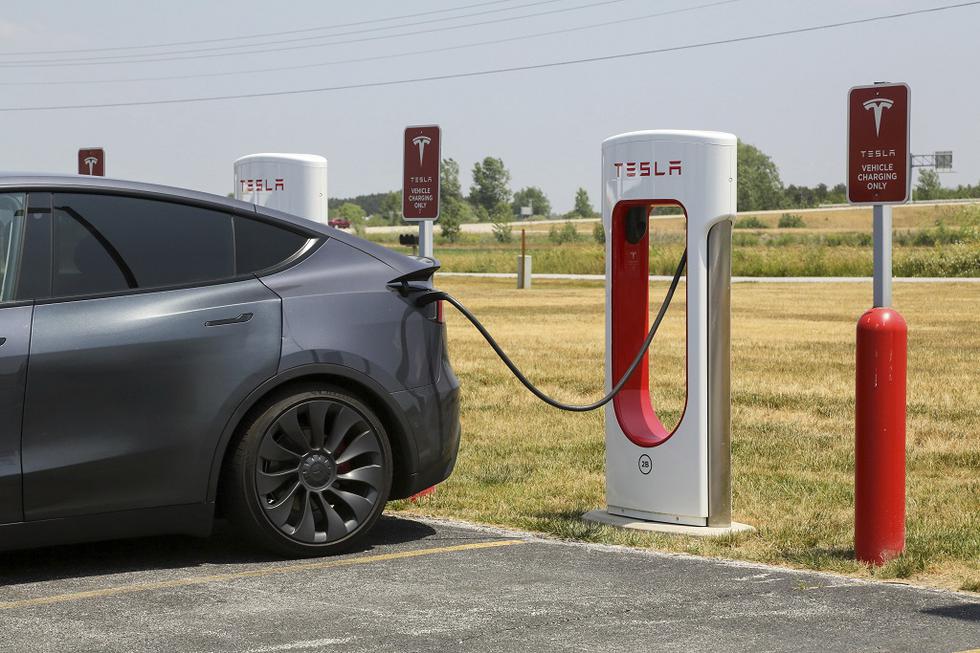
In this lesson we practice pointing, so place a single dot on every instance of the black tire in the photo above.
(303, 491)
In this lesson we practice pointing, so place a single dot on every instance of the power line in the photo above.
(262, 34)
(162, 56)
(497, 71)
(130, 59)
(252, 71)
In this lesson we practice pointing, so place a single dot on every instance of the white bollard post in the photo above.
(523, 272)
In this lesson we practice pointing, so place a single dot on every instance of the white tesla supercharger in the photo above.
(683, 476)
(294, 183)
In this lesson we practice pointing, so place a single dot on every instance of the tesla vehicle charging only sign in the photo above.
(878, 144)
(420, 189)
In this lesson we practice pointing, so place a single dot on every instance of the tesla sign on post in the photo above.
(878, 167)
(420, 188)
(91, 161)
(878, 144)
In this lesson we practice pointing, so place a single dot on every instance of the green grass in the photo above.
(791, 221)
(525, 465)
(750, 222)
(785, 259)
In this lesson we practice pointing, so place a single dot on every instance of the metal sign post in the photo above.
(879, 173)
(422, 159)
(881, 219)
(426, 239)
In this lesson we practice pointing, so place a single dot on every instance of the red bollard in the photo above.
(418, 496)
(879, 416)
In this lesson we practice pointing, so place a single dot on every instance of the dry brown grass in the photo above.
(526, 465)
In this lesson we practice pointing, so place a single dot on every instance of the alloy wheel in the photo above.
(319, 472)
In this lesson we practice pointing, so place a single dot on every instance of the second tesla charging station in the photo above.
(680, 476)
(294, 183)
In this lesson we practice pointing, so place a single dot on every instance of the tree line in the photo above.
(490, 198)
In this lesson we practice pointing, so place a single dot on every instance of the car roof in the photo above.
(54, 182)
(26, 181)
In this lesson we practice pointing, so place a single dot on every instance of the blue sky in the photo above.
(785, 95)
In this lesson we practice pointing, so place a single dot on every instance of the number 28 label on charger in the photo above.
(645, 464)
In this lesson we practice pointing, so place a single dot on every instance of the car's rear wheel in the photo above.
(310, 474)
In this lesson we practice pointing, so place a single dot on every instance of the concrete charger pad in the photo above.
(603, 517)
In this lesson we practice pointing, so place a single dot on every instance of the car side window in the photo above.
(110, 243)
(261, 245)
(12, 210)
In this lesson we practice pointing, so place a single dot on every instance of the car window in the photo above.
(260, 245)
(12, 207)
(107, 243)
(34, 273)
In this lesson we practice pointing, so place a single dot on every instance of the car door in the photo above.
(15, 332)
(148, 341)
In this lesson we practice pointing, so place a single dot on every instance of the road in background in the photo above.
(660, 277)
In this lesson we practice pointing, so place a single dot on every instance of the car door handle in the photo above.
(2, 340)
(243, 317)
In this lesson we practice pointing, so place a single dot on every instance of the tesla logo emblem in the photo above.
(421, 142)
(262, 185)
(645, 464)
(91, 161)
(646, 168)
(877, 105)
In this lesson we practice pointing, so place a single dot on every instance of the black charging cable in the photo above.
(436, 295)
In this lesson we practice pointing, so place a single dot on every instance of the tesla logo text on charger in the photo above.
(259, 185)
(646, 168)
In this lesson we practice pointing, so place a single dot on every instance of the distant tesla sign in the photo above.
(91, 161)
(878, 144)
(422, 158)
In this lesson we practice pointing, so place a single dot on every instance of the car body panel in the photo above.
(338, 309)
(132, 392)
(432, 413)
(356, 322)
(190, 519)
(15, 329)
(409, 417)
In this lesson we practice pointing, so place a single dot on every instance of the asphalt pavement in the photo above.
(437, 586)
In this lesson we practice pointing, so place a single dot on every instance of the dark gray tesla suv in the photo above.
(166, 355)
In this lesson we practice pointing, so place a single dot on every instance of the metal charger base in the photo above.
(603, 517)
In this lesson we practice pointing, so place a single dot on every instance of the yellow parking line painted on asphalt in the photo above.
(254, 573)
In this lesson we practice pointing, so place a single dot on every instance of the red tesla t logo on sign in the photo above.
(91, 161)
(420, 190)
(878, 144)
